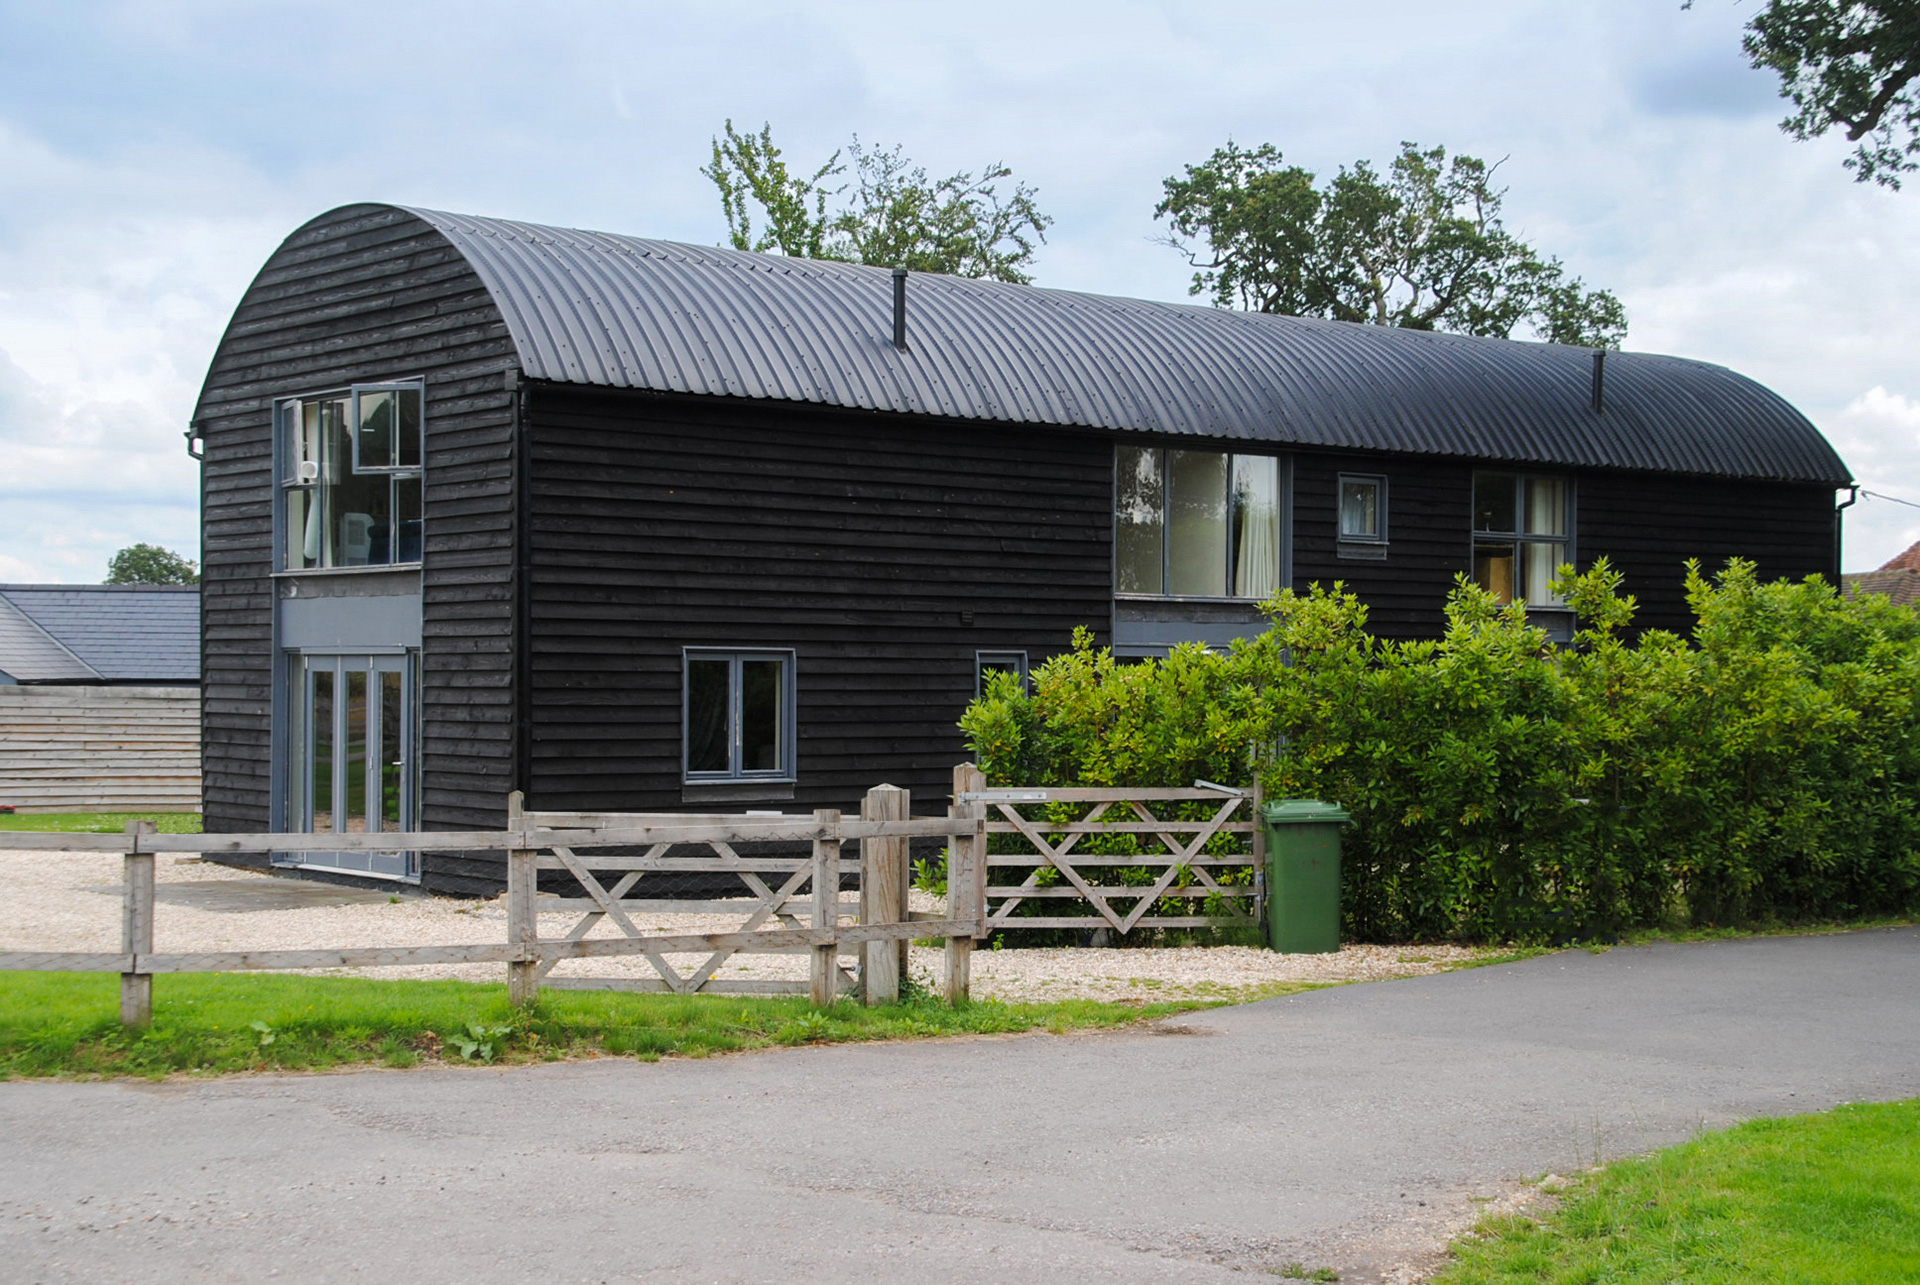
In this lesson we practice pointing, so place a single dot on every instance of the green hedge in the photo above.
(1504, 788)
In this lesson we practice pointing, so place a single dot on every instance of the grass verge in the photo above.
(98, 822)
(1833, 1197)
(66, 1024)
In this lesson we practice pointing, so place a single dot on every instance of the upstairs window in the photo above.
(739, 716)
(1196, 524)
(1363, 509)
(350, 477)
(1521, 535)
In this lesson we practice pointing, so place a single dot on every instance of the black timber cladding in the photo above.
(884, 552)
(615, 311)
(364, 292)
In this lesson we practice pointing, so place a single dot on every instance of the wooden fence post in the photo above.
(966, 882)
(523, 923)
(883, 892)
(136, 927)
(824, 976)
(1257, 815)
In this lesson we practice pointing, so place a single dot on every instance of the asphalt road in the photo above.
(1352, 1127)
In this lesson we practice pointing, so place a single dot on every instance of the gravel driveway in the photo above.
(70, 901)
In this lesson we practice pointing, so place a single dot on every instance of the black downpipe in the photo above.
(1853, 493)
(522, 777)
(900, 309)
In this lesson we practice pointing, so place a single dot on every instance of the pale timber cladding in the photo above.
(94, 748)
(367, 293)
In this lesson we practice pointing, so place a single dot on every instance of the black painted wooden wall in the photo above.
(364, 293)
(859, 541)
(1647, 525)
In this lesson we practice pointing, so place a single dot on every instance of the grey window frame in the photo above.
(981, 659)
(1520, 479)
(1379, 482)
(785, 773)
(353, 424)
(286, 425)
(1283, 574)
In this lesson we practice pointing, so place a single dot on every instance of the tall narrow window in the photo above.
(1140, 520)
(1198, 524)
(739, 715)
(350, 481)
(1521, 533)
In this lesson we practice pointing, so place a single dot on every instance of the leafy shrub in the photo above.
(1504, 788)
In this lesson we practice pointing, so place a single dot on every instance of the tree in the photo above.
(893, 215)
(1422, 248)
(1847, 64)
(151, 564)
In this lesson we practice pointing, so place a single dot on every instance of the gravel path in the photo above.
(70, 901)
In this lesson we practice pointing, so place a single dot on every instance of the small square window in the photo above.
(1363, 509)
(997, 662)
(739, 715)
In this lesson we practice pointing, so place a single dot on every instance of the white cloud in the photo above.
(1879, 435)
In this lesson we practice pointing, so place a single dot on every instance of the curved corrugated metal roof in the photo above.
(595, 308)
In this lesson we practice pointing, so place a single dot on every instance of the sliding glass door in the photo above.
(351, 769)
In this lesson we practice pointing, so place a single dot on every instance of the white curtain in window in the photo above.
(1256, 551)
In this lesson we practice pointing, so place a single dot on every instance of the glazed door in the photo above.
(352, 765)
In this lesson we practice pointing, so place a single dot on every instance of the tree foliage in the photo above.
(151, 564)
(889, 213)
(1421, 247)
(1849, 65)
(1505, 788)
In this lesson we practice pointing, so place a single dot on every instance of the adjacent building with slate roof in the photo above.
(633, 525)
(99, 698)
(145, 635)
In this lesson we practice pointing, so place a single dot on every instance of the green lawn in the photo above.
(1833, 1197)
(98, 822)
(68, 1023)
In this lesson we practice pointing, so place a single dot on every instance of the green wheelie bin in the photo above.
(1303, 881)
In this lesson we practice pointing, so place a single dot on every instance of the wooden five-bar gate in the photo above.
(790, 869)
(804, 899)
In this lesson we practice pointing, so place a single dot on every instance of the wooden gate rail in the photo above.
(882, 928)
(1053, 845)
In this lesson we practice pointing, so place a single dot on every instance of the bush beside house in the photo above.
(1506, 788)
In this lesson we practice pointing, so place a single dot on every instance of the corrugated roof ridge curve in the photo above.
(599, 308)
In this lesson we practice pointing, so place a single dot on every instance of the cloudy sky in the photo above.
(153, 154)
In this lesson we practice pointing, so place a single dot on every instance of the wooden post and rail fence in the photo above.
(791, 903)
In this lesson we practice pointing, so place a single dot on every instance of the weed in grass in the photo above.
(478, 1042)
(1301, 1272)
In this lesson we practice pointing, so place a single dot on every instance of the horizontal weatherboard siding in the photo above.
(857, 541)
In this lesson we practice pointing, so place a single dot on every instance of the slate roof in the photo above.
(29, 654)
(102, 633)
(618, 311)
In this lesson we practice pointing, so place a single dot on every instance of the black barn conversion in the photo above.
(636, 525)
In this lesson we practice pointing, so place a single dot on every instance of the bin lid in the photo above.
(1304, 812)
